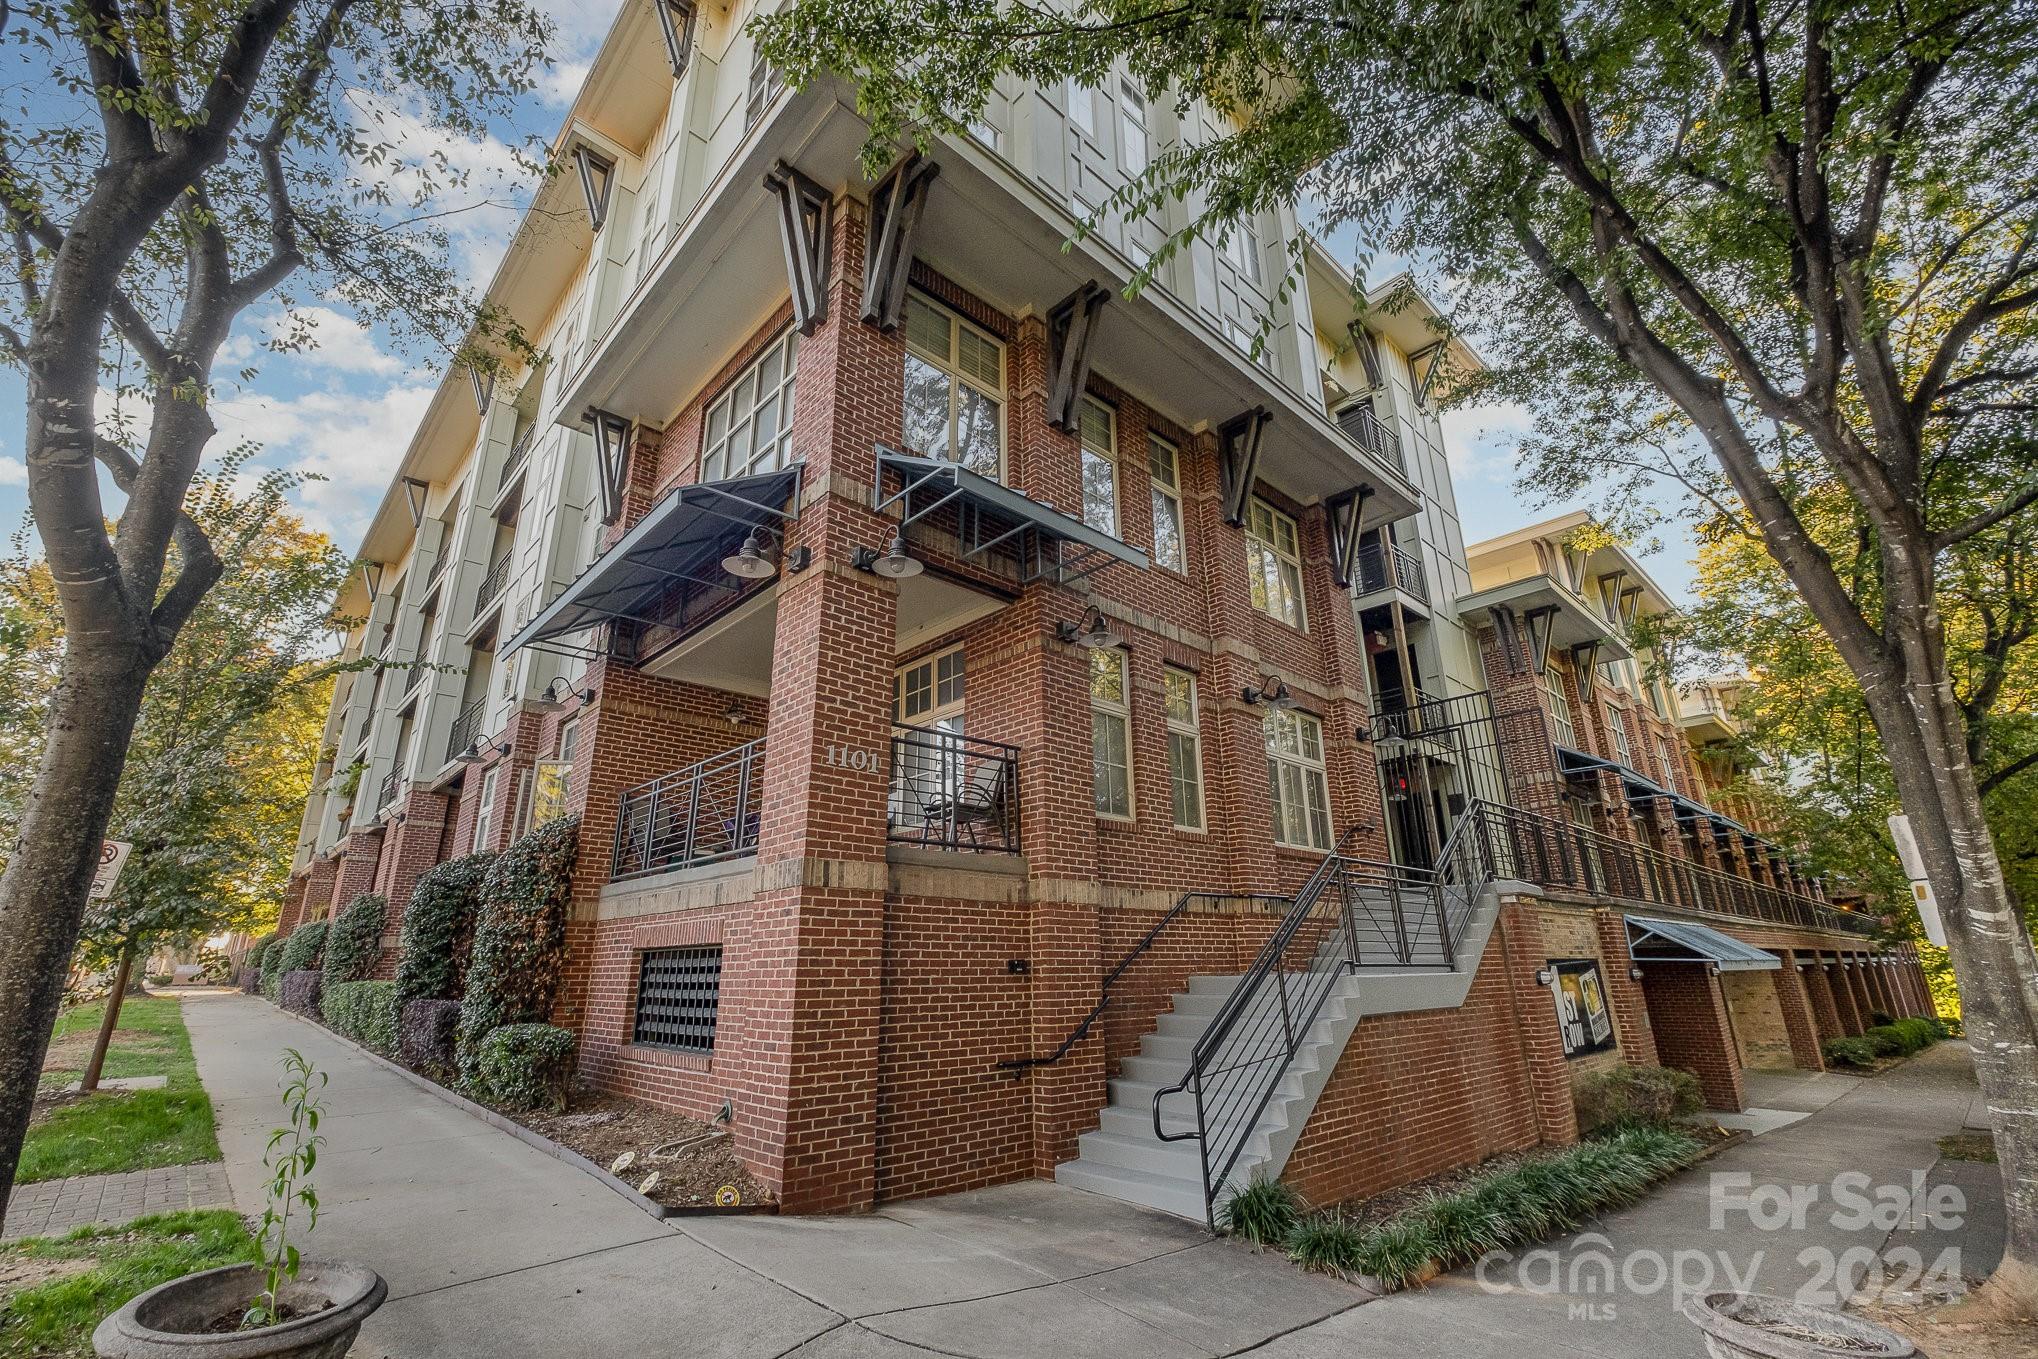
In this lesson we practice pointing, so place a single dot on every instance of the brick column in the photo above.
(1852, 1020)
(1624, 993)
(1798, 1021)
(318, 890)
(1524, 730)
(293, 901)
(360, 864)
(413, 847)
(1857, 982)
(1689, 1014)
(1542, 1048)
(1818, 986)
(1928, 1006)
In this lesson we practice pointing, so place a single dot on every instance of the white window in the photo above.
(1242, 248)
(1563, 728)
(1295, 777)
(569, 739)
(750, 426)
(1163, 463)
(929, 692)
(765, 84)
(484, 813)
(1618, 734)
(1110, 734)
(1185, 747)
(955, 389)
(1083, 108)
(1132, 143)
(1100, 468)
(1273, 555)
(1668, 764)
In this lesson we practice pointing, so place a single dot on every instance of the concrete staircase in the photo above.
(1124, 1160)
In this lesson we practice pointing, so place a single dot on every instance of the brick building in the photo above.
(1015, 730)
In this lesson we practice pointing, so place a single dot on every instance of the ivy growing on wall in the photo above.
(438, 930)
(519, 938)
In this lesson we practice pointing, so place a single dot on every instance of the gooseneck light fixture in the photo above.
(894, 563)
(1091, 633)
(1272, 691)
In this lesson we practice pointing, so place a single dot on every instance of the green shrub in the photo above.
(425, 1037)
(257, 951)
(364, 1011)
(519, 938)
(303, 990)
(1510, 1207)
(525, 1066)
(354, 943)
(1854, 1052)
(1264, 1212)
(1919, 1034)
(1878, 1018)
(438, 930)
(302, 949)
(1883, 1041)
(1629, 1096)
(271, 975)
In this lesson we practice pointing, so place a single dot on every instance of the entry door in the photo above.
(927, 713)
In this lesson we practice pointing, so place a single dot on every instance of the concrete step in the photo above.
(1137, 1096)
(1127, 1120)
(1202, 1005)
(1169, 1047)
(1212, 986)
(1180, 1160)
(1183, 1198)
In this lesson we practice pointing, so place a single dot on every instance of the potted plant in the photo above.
(284, 1307)
(1756, 1326)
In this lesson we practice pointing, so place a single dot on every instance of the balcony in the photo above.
(519, 454)
(466, 727)
(1383, 566)
(492, 584)
(387, 794)
(438, 567)
(1368, 431)
(950, 791)
(701, 815)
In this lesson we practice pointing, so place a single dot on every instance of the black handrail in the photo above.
(1138, 950)
(699, 815)
(952, 791)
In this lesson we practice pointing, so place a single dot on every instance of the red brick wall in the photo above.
(1693, 1031)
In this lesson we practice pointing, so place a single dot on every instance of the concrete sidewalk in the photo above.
(493, 1248)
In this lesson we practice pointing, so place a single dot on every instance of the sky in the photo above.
(343, 413)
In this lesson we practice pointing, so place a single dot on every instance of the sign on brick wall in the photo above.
(1583, 1021)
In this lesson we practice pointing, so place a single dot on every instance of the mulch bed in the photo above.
(603, 1127)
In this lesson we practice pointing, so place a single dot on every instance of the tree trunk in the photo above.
(43, 891)
(110, 1021)
(133, 985)
(1993, 960)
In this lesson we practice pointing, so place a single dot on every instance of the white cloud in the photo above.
(13, 472)
(353, 441)
(1481, 441)
(561, 84)
(337, 343)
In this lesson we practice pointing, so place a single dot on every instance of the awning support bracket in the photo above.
(1071, 325)
(805, 210)
(1239, 440)
(1345, 510)
(896, 202)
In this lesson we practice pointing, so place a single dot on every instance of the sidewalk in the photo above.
(53, 1207)
(492, 1248)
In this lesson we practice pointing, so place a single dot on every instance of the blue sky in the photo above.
(344, 412)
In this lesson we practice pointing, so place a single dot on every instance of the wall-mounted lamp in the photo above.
(1545, 976)
(894, 563)
(1634, 973)
(734, 713)
(1272, 691)
(1092, 633)
(474, 754)
(558, 691)
(1713, 971)
(752, 561)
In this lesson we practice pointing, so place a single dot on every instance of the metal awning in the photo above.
(992, 517)
(1572, 762)
(1578, 762)
(676, 549)
(1680, 941)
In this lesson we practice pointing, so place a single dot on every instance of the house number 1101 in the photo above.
(849, 757)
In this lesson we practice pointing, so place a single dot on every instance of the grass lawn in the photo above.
(55, 1289)
(120, 1130)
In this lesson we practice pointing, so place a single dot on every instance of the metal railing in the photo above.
(1383, 565)
(492, 583)
(700, 815)
(387, 793)
(520, 452)
(950, 791)
(1367, 431)
(1553, 853)
(466, 727)
(1124, 964)
(439, 559)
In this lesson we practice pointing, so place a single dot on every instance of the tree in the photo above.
(220, 765)
(1756, 249)
(167, 167)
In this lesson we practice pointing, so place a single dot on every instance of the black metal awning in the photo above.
(1681, 941)
(993, 517)
(671, 559)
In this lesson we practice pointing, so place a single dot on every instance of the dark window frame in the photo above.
(684, 981)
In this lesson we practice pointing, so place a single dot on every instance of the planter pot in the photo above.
(168, 1321)
(1755, 1326)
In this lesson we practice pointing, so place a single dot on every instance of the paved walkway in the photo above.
(492, 1248)
(52, 1207)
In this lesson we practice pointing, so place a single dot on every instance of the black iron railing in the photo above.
(1384, 565)
(700, 815)
(1368, 432)
(387, 793)
(951, 791)
(1552, 853)
(492, 583)
(466, 727)
(439, 558)
(520, 451)
(1124, 965)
